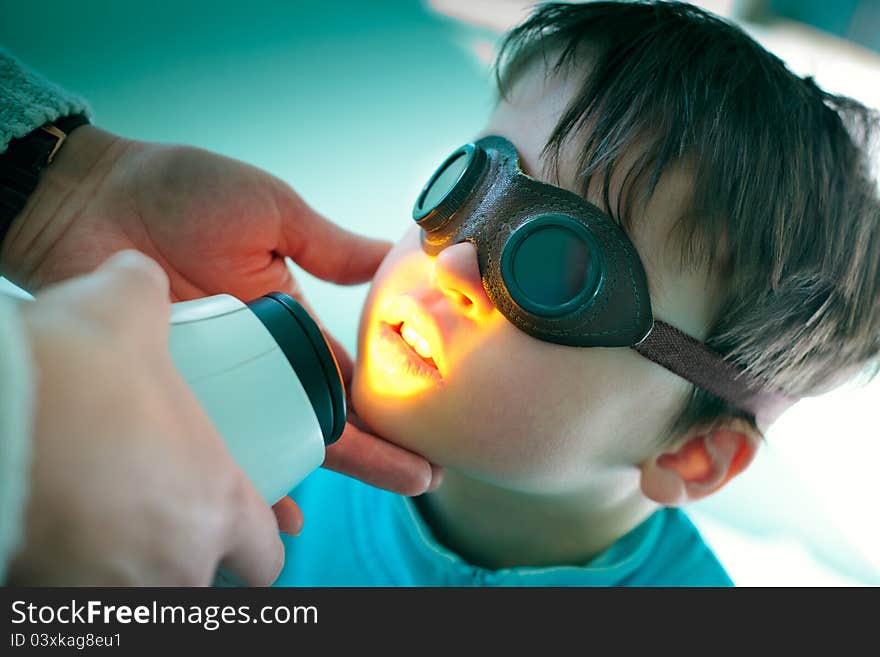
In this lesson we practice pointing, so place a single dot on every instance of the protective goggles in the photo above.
(563, 271)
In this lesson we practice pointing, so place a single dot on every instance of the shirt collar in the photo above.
(425, 554)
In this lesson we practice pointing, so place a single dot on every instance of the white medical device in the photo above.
(268, 380)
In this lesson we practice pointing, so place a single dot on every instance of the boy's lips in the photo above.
(402, 358)
(419, 329)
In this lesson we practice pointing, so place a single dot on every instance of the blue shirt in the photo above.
(357, 535)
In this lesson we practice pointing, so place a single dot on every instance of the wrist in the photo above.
(63, 191)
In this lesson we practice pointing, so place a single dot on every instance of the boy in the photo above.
(745, 197)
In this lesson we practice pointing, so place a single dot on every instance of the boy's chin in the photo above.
(394, 420)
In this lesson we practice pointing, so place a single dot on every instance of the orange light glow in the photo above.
(415, 340)
(390, 371)
(403, 353)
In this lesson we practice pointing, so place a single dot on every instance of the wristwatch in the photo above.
(24, 160)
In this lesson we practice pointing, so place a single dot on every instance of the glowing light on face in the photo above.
(405, 352)
(416, 341)
(396, 351)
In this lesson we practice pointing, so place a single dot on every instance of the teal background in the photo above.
(352, 103)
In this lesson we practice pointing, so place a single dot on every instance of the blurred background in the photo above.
(354, 103)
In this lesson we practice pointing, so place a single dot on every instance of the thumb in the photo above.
(137, 271)
(324, 249)
(128, 291)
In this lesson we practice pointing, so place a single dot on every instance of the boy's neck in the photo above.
(497, 528)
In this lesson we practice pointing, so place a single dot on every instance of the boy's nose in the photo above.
(458, 276)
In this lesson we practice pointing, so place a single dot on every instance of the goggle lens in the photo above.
(551, 265)
(443, 180)
(554, 280)
(449, 186)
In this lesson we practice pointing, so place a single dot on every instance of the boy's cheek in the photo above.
(490, 426)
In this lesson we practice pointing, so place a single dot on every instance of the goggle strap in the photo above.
(692, 360)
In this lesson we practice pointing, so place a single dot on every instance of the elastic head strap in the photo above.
(694, 361)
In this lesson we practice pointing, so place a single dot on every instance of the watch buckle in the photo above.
(58, 134)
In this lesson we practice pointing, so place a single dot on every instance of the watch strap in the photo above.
(23, 162)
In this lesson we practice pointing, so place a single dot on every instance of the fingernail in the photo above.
(436, 477)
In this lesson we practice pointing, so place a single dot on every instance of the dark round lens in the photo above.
(551, 265)
(449, 187)
(442, 181)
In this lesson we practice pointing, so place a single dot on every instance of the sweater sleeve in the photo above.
(28, 100)
(16, 399)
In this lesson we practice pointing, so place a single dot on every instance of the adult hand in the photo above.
(215, 225)
(130, 484)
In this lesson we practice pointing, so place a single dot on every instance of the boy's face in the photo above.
(503, 406)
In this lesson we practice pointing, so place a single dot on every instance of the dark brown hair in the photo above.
(783, 203)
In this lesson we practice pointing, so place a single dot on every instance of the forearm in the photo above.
(16, 408)
(65, 187)
(28, 101)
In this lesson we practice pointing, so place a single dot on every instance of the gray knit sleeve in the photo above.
(28, 100)
(17, 380)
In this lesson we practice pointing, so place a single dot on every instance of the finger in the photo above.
(436, 477)
(257, 553)
(140, 272)
(129, 291)
(287, 281)
(324, 249)
(343, 359)
(289, 285)
(377, 462)
(288, 516)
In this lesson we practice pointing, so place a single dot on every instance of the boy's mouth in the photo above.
(415, 329)
(416, 341)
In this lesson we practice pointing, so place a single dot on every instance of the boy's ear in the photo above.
(702, 464)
